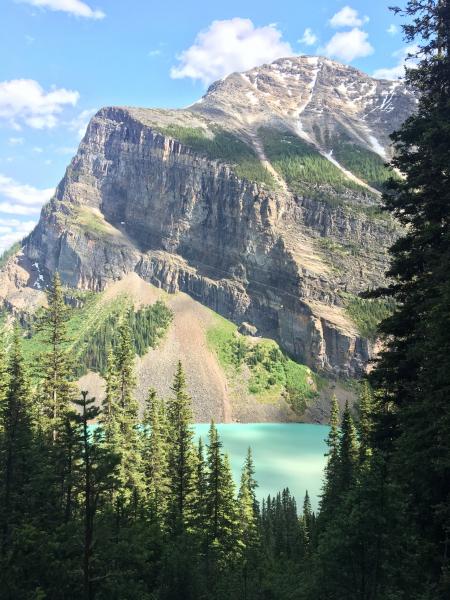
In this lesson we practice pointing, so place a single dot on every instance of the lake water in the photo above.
(285, 455)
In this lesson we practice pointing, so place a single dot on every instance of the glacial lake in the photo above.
(285, 455)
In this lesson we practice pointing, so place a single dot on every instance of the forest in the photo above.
(105, 502)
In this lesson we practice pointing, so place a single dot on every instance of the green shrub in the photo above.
(272, 373)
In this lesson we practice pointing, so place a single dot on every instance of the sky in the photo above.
(62, 60)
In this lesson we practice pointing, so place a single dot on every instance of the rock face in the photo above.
(153, 192)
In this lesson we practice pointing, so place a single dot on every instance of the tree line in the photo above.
(107, 501)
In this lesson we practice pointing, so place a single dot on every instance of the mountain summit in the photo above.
(260, 201)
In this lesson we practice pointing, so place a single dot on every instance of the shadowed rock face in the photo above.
(135, 198)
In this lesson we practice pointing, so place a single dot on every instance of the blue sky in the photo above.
(64, 59)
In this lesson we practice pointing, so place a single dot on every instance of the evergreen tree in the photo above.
(412, 378)
(120, 428)
(95, 480)
(348, 452)
(220, 502)
(330, 492)
(199, 506)
(16, 451)
(155, 448)
(181, 454)
(365, 422)
(57, 390)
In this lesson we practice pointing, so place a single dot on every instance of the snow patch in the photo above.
(376, 146)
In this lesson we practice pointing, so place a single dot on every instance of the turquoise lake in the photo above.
(285, 455)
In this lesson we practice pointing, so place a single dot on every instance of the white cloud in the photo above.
(392, 29)
(11, 208)
(347, 17)
(24, 101)
(153, 53)
(73, 7)
(403, 60)
(23, 194)
(15, 141)
(228, 46)
(348, 45)
(309, 38)
(13, 230)
(38, 150)
(81, 121)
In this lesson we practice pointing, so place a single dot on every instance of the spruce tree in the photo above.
(16, 450)
(365, 422)
(181, 454)
(412, 378)
(57, 390)
(155, 448)
(330, 492)
(120, 428)
(348, 452)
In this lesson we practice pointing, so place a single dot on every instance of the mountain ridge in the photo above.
(260, 201)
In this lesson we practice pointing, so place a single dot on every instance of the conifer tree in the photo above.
(16, 452)
(348, 451)
(155, 448)
(330, 493)
(221, 503)
(199, 506)
(181, 454)
(120, 420)
(3, 371)
(412, 378)
(307, 520)
(57, 390)
(95, 481)
(365, 422)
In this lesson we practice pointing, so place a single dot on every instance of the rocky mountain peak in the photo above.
(311, 95)
(260, 201)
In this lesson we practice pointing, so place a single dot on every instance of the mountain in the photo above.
(260, 201)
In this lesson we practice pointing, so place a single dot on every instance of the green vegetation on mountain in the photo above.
(368, 313)
(268, 371)
(223, 146)
(303, 168)
(92, 328)
(363, 163)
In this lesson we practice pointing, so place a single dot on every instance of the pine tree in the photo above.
(413, 376)
(181, 454)
(348, 452)
(365, 422)
(3, 371)
(155, 448)
(120, 427)
(330, 493)
(57, 390)
(16, 451)
(308, 522)
(222, 509)
(199, 506)
(95, 481)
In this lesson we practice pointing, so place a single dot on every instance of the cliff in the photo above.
(260, 201)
